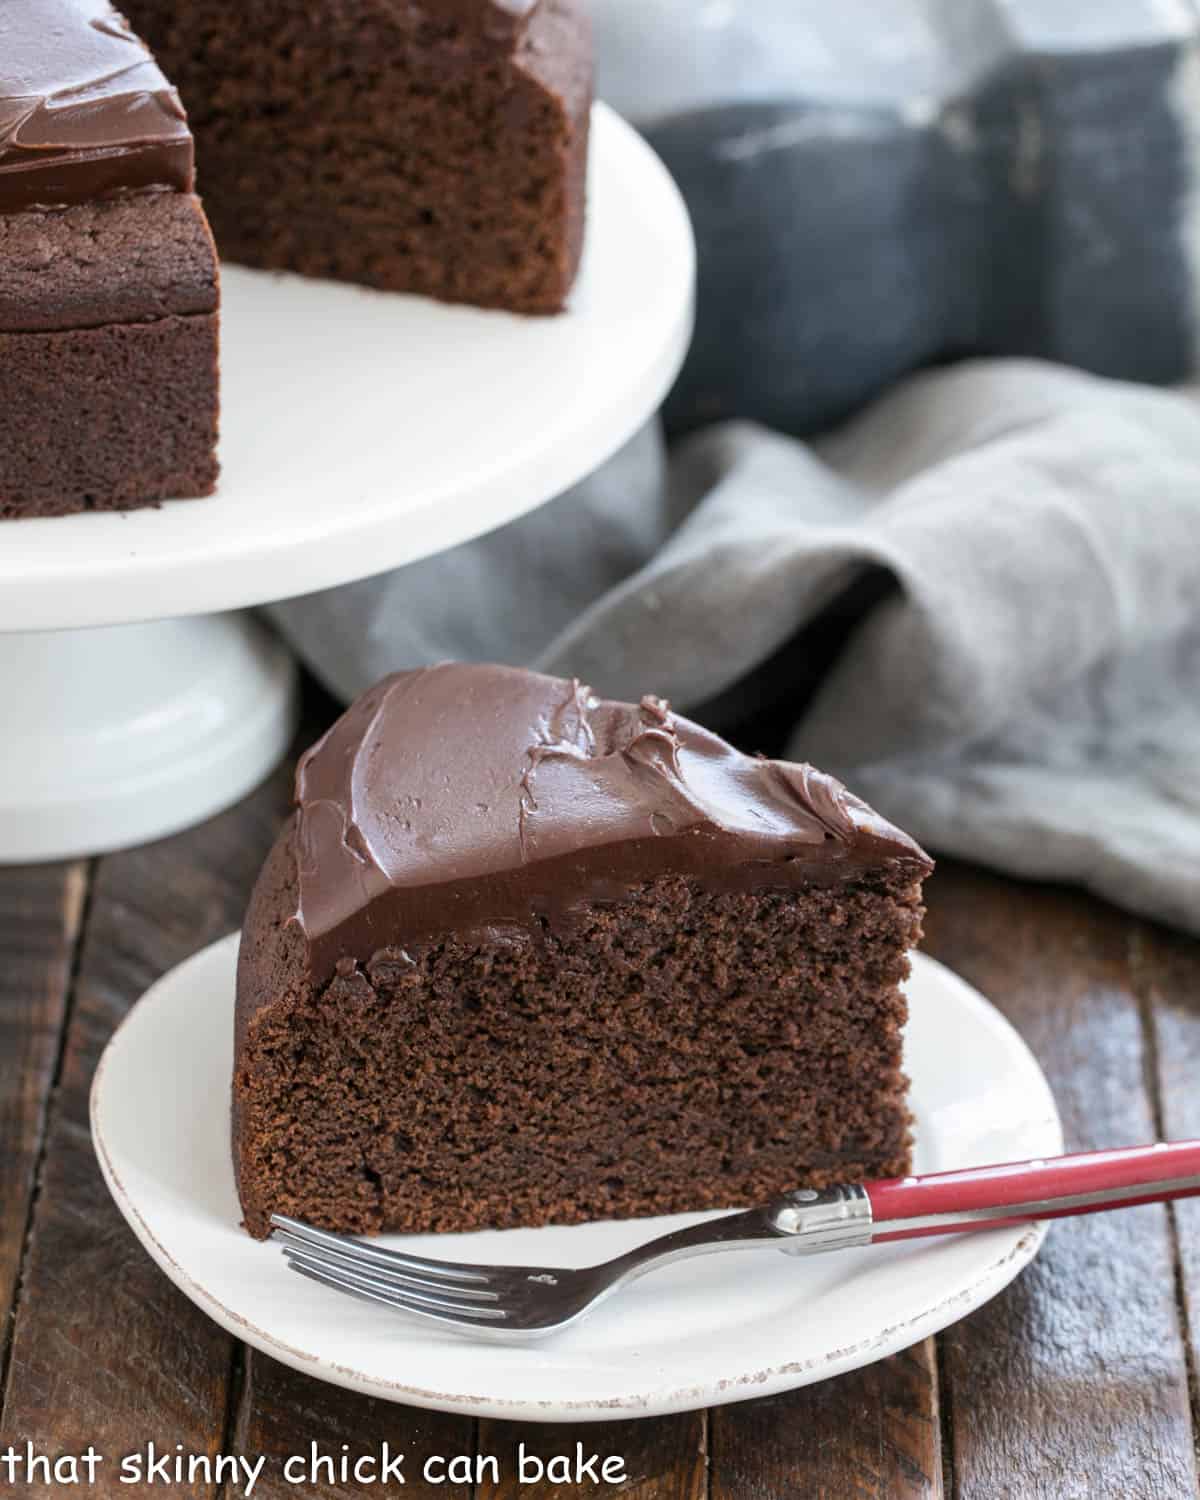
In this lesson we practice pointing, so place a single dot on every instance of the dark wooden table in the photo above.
(1078, 1381)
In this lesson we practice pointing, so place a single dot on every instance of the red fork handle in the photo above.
(1015, 1192)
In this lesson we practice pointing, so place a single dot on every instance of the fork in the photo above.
(520, 1303)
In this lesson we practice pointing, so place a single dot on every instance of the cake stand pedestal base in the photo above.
(120, 735)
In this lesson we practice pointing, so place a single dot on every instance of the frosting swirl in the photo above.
(85, 112)
(469, 798)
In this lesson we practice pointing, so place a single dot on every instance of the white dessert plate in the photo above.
(703, 1332)
(361, 430)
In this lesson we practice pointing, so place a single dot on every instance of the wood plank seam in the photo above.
(231, 1434)
(1143, 987)
(1185, 1325)
(944, 1418)
(78, 886)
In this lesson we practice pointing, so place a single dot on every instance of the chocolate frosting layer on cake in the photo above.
(85, 112)
(478, 798)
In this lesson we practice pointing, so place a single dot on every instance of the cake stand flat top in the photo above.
(362, 430)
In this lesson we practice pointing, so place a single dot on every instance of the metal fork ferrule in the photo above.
(836, 1218)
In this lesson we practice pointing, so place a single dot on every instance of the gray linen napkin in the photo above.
(985, 592)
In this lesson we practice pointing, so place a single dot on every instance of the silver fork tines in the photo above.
(449, 1318)
(438, 1290)
(360, 1250)
(376, 1273)
(511, 1303)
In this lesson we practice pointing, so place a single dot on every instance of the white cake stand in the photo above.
(359, 431)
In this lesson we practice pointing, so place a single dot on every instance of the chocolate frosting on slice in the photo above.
(470, 799)
(85, 112)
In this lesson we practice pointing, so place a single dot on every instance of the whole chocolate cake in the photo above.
(108, 275)
(524, 955)
(433, 146)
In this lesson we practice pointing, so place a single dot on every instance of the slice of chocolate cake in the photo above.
(522, 955)
(433, 146)
(108, 275)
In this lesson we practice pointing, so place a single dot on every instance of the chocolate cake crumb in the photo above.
(437, 147)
